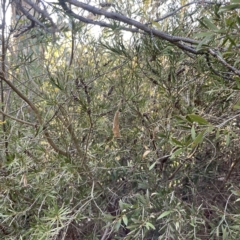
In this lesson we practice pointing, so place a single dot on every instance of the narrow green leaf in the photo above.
(177, 152)
(39, 130)
(177, 225)
(125, 220)
(229, 8)
(202, 23)
(134, 227)
(176, 142)
(228, 139)
(204, 43)
(55, 83)
(148, 224)
(209, 24)
(198, 139)
(195, 118)
(234, 227)
(224, 233)
(209, 129)
(164, 214)
(124, 205)
(232, 41)
(147, 195)
(152, 166)
(193, 133)
(108, 216)
(203, 34)
(236, 192)
(118, 224)
(121, 204)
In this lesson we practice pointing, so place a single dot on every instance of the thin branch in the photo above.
(18, 120)
(35, 110)
(72, 43)
(129, 21)
(180, 42)
(39, 10)
(226, 121)
(3, 68)
(29, 16)
(215, 71)
(180, 8)
(90, 21)
(213, 53)
(111, 70)
(26, 29)
(176, 40)
(106, 233)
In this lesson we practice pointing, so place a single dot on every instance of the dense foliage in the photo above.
(129, 131)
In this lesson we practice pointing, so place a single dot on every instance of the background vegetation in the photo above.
(120, 120)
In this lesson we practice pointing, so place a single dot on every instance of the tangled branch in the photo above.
(186, 44)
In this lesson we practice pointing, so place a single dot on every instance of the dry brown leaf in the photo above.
(146, 153)
(116, 131)
(24, 180)
(155, 130)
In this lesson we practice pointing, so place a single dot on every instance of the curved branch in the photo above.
(18, 120)
(29, 16)
(129, 21)
(39, 10)
(176, 40)
(233, 69)
(27, 28)
(35, 110)
(184, 43)
(214, 71)
(180, 8)
(90, 21)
